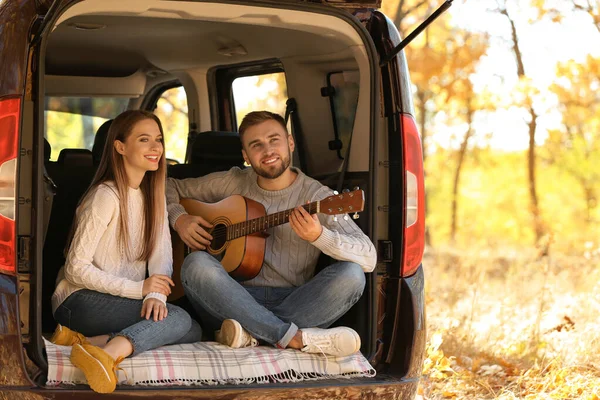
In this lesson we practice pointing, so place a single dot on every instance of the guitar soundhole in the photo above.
(219, 234)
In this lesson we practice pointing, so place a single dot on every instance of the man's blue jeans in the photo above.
(93, 313)
(271, 314)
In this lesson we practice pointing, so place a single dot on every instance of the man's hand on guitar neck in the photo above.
(191, 230)
(307, 226)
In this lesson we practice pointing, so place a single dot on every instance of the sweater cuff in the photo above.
(133, 290)
(175, 211)
(158, 296)
(327, 240)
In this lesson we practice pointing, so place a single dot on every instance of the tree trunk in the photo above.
(590, 10)
(531, 157)
(400, 15)
(402, 12)
(590, 198)
(531, 154)
(460, 162)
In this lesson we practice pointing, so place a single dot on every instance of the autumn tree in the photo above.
(557, 10)
(441, 60)
(408, 13)
(457, 97)
(527, 104)
(575, 147)
(425, 62)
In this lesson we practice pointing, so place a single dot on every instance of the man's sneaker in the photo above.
(64, 336)
(339, 342)
(233, 335)
(99, 368)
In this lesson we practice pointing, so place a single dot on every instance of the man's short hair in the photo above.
(258, 117)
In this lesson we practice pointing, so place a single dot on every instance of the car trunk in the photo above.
(70, 65)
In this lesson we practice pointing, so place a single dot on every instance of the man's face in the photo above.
(267, 148)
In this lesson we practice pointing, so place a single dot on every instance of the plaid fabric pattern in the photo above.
(210, 363)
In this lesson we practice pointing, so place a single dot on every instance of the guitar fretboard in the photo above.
(268, 221)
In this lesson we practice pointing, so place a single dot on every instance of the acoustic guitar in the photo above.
(238, 231)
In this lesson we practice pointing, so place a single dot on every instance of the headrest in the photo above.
(100, 141)
(223, 150)
(75, 158)
(47, 150)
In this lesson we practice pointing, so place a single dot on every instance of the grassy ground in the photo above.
(512, 325)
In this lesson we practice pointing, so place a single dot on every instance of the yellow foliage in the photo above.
(493, 200)
(436, 364)
(500, 357)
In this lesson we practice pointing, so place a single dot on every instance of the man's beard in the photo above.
(273, 174)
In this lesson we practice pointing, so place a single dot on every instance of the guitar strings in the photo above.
(222, 229)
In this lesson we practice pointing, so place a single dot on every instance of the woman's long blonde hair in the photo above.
(112, 168)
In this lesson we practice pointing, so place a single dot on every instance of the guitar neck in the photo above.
(269, 221)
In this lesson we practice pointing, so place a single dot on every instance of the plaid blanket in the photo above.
(210, 363)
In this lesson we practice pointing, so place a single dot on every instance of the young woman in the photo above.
(106, 307)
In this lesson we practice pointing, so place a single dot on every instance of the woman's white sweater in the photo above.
(97, 261)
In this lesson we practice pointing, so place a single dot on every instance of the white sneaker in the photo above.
(233, 335)
(339, 342)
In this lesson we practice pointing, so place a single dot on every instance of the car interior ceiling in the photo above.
(128, 64)
(179, 48)
(116, 47)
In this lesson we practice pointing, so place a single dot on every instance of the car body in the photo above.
(52, 51)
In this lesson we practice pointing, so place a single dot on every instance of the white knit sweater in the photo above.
(97, 261)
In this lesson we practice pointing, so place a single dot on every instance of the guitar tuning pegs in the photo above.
(355, 216)
(336, 192)
(346, 191)
(346, 217)
(356, 188)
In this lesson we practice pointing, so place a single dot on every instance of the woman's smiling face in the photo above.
(143, 147)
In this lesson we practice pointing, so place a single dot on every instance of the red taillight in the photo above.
(414, 231)
(9, 146)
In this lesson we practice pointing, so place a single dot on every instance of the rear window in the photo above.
(259, 92)
(172, 110)
(72, 122)
(343, 94)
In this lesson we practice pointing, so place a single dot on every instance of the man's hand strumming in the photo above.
(192, 230)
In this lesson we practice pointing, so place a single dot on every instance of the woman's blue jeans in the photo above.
(93, 313)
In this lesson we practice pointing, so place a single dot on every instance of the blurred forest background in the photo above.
(510, 120)
(507, 95)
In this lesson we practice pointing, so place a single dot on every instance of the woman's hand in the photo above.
(154, 307)
(157, 283)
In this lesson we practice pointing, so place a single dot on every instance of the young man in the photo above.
(284, 305)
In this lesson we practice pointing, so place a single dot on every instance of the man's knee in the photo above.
(197, 267)
(353, 276)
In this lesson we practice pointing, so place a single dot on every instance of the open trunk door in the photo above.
(346, 4)
(353, 4)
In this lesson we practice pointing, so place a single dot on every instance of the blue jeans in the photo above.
(93, 313)
(271, 314)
